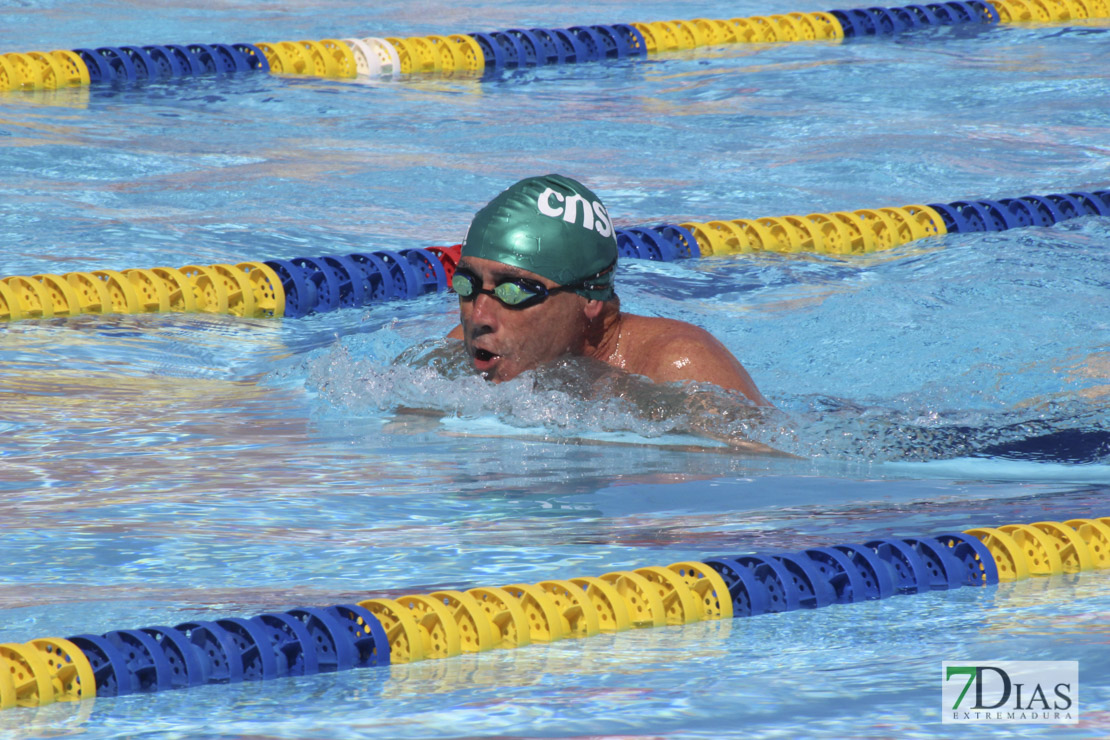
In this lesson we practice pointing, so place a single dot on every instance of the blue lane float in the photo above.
(129, 64)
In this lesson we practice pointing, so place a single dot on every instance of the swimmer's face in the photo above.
(503, 342)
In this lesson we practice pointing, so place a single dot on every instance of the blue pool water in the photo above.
(163, 468)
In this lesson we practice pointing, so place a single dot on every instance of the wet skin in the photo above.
(503, 342)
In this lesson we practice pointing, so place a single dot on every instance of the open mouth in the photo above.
(484, 359)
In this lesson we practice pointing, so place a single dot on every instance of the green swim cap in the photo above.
(553, 226)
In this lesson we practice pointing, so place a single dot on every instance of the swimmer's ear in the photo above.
(593, 308)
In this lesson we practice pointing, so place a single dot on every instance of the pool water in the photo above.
(157, 469)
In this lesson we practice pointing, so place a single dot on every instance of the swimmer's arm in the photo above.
(409, 420)
(455, 333)
(689, 353)
(708, 412)
(722, 421)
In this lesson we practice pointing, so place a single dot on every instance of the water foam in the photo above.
(569, 398)
(582, 398)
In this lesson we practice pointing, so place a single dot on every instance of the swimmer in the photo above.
(535, 283)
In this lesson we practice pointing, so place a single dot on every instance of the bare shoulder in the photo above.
(667, 351)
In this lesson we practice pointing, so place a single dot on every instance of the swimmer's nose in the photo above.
(486, 311)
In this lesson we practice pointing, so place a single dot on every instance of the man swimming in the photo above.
(535, 283)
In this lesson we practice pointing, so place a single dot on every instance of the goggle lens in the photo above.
(514, 294)
(463, 284)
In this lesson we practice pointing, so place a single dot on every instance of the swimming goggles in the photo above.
(515, 293)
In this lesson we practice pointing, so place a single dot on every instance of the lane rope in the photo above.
(515, 48)
(443, 624)
(308, 285)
